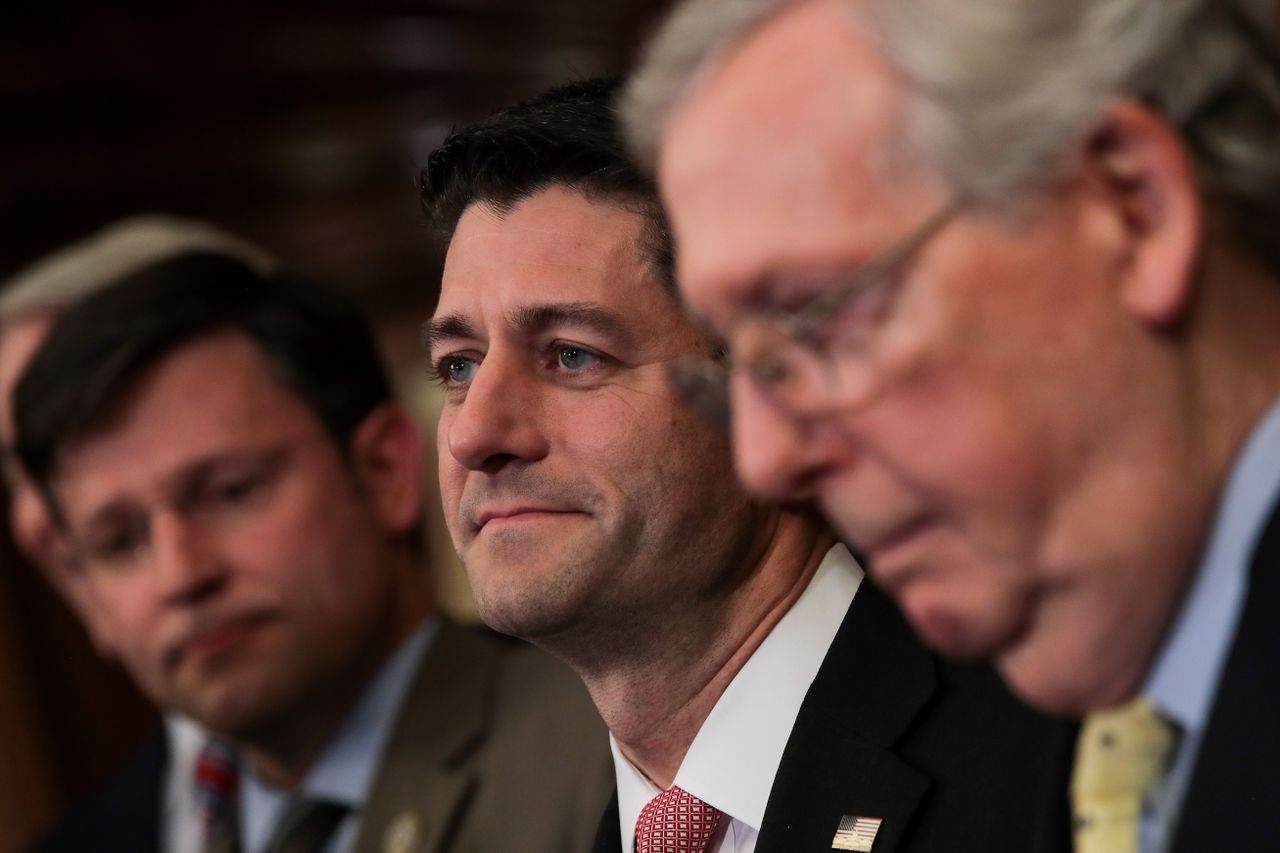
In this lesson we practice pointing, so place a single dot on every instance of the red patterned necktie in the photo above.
(676, 821)
(217, 785)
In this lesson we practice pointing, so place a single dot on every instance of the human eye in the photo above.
(576, 360)
(849, 316)
(235, 484)
(455, 370)
(115, 545)
(574, 357)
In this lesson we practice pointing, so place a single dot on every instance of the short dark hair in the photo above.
(314, 341)
(569, 136)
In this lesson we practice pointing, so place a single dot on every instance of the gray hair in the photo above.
(999, 90)
(58, 281)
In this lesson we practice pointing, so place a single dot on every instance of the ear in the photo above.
(1148, 180)
(387, 454)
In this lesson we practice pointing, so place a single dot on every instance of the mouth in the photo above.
(214, 639)
(517, 515)
(891, 556)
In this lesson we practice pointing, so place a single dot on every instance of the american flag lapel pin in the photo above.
(856, 833)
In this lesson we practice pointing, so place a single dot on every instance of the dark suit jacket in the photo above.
(942, 753)
(1231, 801)
(124, 816)
(497, 747)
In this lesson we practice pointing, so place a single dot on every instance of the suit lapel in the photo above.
(874, 681)
(1230, 804)
(609, 835)
(424, 779)
(1052, 832)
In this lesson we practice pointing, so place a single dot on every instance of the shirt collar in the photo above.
(734, 758)
(344, 770)
(1184, 679)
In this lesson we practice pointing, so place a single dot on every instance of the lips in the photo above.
(891, 553)
(213, 637)
(519, 514)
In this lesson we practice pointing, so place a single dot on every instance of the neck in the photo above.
(698, 650)
(281, 749)
(1228, 375)
(1236, 359)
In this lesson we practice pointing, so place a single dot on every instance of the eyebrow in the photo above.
(449, 326)
(538, 318)
(183, 485)
(532, 319)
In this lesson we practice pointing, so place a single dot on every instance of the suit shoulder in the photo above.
(123, 814)
(543, 684)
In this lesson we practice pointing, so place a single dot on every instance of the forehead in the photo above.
(213, 396)
(782, 147)
(555, 246)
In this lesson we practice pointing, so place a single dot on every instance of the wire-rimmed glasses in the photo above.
(790, 357)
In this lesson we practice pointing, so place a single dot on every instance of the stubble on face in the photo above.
(654, 511)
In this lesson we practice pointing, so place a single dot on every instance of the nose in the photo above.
(498, 421)
(781, 457)
(185, 564)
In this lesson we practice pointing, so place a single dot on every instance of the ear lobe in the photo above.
(387, 453)
(1146, 174)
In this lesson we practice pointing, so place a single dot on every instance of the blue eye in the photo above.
(575, 358)
(460, 370)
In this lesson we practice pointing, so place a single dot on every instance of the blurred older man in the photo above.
(1001, 289)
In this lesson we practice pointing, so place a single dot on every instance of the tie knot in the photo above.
(1123, 751)
(1121, 757)
(676, 821)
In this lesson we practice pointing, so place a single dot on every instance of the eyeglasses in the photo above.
(811, 358)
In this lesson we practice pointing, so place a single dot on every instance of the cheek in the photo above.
(977, 392)
(126, 620)
(451, 474)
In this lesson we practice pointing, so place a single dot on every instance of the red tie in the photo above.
(217, 784)
(676, 821)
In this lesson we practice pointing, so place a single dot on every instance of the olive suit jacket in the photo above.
(496, 747)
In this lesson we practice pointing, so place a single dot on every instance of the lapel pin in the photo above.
(404, 834)
(856, 833)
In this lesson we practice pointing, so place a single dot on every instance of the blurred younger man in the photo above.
(242, 499)
(158, 795)
(1001, 287)
(760, 697)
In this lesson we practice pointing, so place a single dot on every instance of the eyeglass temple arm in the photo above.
(806, 321)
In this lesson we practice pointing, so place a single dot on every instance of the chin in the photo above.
(1055, 678)
(528, 615)
(959, 626)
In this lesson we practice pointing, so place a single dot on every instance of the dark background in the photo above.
(298, 125)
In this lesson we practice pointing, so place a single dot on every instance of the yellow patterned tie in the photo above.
(1121, 756)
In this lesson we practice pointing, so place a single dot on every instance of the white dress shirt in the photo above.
(345, 769)
(180, 827)
(1185, 677)
(734, 758)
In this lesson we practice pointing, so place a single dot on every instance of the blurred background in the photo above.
(297, 125)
